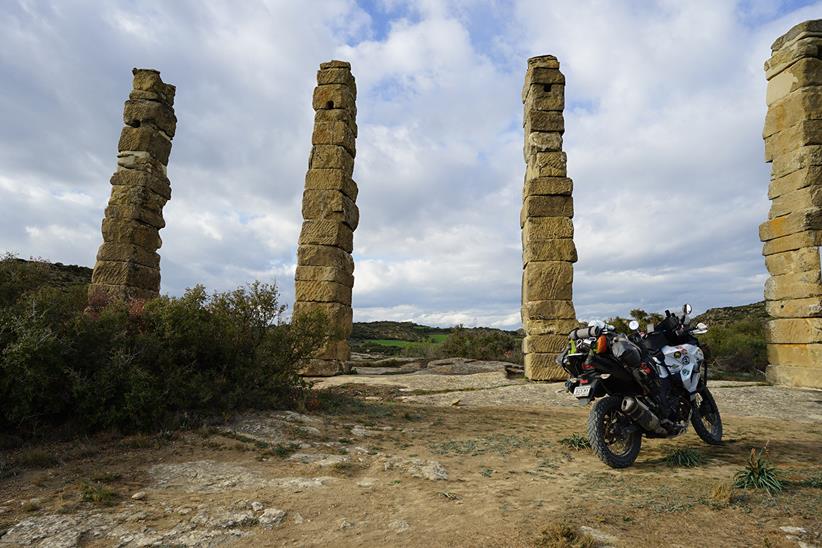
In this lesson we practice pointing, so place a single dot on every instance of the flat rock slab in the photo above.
(208, 476)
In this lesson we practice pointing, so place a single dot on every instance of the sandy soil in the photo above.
(422, 460)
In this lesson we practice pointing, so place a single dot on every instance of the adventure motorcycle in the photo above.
(649, 384)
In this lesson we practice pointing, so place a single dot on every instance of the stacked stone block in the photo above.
(793, 233)
(548, 250)
(325, 268)
(128, 266)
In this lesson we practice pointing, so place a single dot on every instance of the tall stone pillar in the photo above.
(793, 232)
(128, 266)
(325, 268)
(548, 250)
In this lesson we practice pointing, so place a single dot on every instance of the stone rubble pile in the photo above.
(325, 268)
(128, 266)
(548, 250)
(793, 233)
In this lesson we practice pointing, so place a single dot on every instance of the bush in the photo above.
(482, 344)
(738, 347)
(758, 473)
(147, 365)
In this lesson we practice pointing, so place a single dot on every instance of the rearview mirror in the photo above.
(687, 309)
(633, 325)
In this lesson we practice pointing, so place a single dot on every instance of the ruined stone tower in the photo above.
(548, 250)
(128, 266)
(325, 268)
(793, 232)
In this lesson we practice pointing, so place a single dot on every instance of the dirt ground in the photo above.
(437, 458)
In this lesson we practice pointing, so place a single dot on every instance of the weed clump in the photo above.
(576, 441)
(684, 458)
(562, 535)
(758, 473)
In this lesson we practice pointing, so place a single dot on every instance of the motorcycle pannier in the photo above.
(626, 351)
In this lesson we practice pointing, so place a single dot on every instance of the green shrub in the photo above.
(482, 344)
(576, 441)
(738, 347)
(146, 366)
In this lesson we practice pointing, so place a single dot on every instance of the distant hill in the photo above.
(726, 315)
(20, 276)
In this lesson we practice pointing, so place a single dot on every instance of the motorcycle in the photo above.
(649, 384)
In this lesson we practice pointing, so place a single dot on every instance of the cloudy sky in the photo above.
(664, 116)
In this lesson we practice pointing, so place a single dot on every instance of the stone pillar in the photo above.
(793, 232)
(548, 250)
(128, 266)
(325, 268)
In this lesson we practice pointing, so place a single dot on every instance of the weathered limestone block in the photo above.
(798, 158)
(145, 139)
(327, 233)
(321, 291)
(800, 260)
(334, 96)
(803, 355)
(334, 133)
(131, 232)
(799, 179)
(142, 112)
(546, 228)
(135, 213)
(550, 250)
(331, 179)
(803, 104)
(790, 375)
(119, 252)
(131, 178)
(799, 221)
(545, 343)
(548, 280)
(548, 186)
(331, 157)
(324, 255)
(541, 141)
(543, 367)
(323, 279)
(801, 74)
(125, 273)
(337, 115)
(804, 198)
(324, 274)
(544, 120)
(794, 331)
(792, 242)
(339, 316)
(810, 307)
(795, 285)
(546, 206)
(807, 132)
(550, 327)
(545, 97)
(549, 310)
(330, 205)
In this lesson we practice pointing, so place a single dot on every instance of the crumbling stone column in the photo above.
(325, 268)
(128, 266)
(548, 250)
(793, 232)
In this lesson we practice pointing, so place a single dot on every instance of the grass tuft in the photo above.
(98, 494)
(576, 441)
(561, 535)
(759, 473)
(685, 458)
(722, 493)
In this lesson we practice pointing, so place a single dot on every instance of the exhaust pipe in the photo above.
(640, 413)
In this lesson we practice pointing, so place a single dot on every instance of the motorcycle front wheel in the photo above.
(613, 437)
(705, 417)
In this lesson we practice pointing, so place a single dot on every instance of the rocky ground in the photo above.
(452, 452)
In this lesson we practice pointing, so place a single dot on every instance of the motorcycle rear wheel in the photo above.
(705, 417)
(610, 435)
